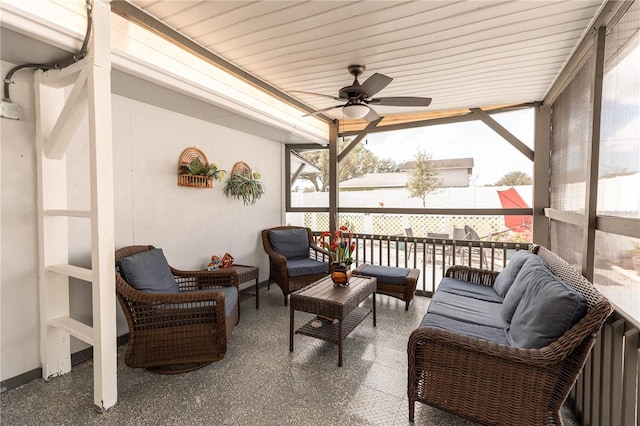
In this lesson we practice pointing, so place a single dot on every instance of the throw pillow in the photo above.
(520, 283)
(547, 310)
(291, 243)
(508, 274)
(148, 271)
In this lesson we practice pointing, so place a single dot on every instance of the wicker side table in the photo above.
(340, 303)
(246, 273)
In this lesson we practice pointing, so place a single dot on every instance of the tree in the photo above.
(358, 162)
(514, 178)
(424, 178)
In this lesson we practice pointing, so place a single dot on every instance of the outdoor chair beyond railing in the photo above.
(178, 321)
(295, 260)
(472, 370)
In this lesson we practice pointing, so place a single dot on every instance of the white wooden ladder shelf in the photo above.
(58, 116)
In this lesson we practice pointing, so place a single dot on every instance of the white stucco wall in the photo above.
(189, 224)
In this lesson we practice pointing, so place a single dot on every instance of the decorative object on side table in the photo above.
(340, 250)
(195, 170)
(244, 184)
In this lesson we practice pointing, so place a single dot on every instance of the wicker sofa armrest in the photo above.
(472, 275)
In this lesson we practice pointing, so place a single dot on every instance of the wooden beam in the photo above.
(541, 174)
(74, 110)
(425, 119)
(507, 135)
(593, 154)
(358, 138)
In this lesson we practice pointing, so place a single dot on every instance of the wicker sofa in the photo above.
(505, 348)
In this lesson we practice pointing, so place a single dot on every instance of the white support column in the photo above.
(57, 120)
(102, 220)
(55, 348)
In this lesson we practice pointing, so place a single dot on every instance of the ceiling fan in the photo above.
(358, 96)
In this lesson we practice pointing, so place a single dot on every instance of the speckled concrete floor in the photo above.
(259, 382)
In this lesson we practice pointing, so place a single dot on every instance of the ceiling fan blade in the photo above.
(371, 115)
(322, 110)
(406, 101)
(374, 84)
(335, 98)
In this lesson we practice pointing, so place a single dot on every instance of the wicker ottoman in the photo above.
(392, 281)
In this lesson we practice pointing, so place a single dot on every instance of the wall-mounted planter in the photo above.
(244, 184)
(194, 169)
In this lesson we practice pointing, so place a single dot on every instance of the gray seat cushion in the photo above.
(508, 274)
(548, 309)
(464, 288)
(300, 267)
(291, 243)
(474, 330)
(386, 274)
(520, 283)
(467, 309)
(148, 271)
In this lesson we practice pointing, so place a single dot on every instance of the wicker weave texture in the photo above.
(497, 384)
(278, 263)
(175, 333)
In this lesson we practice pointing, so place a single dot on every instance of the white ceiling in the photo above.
(461, 53)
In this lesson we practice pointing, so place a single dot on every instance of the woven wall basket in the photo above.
(186, 179)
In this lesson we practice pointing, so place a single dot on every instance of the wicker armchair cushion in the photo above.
(301, 267)
(386, 274)
(230, 300)
(148, 271)
(546, 311)
(485, 332)
(506, 277)
(520, 283)
(481, 292)
(291, 243)
(467, 309)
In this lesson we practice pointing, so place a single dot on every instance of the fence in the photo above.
(432, 256)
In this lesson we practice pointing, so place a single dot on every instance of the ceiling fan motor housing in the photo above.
(353, 92)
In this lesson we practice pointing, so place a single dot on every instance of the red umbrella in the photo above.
(509, 198)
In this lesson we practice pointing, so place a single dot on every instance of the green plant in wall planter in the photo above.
(198, 168)
(244, 184)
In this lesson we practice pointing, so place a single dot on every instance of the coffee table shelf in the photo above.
(330, 332)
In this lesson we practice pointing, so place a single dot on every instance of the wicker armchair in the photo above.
(172, 333)
(497, 384)
(294, 269)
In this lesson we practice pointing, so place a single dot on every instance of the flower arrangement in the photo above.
(341, 247)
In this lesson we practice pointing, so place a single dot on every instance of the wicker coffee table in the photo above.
(340, 303)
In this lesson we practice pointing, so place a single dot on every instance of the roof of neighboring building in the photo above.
(447, 163)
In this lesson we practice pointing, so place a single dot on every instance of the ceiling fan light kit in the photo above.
(359, 96)
(355, 111)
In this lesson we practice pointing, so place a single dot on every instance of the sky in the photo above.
(493, 156)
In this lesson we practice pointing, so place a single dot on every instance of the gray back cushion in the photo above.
(547, 310)
(148, 271)
(291, 243)
(508, 274)
(520, 283)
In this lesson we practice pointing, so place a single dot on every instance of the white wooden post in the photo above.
(57, 120)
